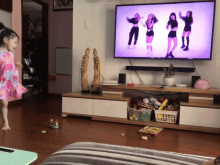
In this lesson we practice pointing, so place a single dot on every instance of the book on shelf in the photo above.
(115, 92)
(150, 130)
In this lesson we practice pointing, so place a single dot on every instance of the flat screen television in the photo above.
(182, 30)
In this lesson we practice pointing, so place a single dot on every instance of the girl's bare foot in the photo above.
(6, 127)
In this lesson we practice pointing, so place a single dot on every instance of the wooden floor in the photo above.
(29, 119)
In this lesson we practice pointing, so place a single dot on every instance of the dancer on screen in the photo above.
(172, 34)
(134, 30)
(187, 29)
(151, 20)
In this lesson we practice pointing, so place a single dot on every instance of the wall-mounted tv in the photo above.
(165, 31)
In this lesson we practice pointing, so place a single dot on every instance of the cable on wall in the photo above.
(136, 72)
(194, 67)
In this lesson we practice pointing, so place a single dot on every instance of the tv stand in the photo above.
(194, 116)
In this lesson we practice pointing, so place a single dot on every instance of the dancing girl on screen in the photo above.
(151, 20)
(172, 34)
(134, 30)
(187, 29)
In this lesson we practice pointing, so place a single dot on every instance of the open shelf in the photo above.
(217, 106)
(93, 96)
(169, 89)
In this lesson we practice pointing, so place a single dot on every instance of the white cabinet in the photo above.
(77, 105)
(95, 107)
(197, 116)
(109, 108)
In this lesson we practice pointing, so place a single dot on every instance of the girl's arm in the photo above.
(144, 25)
(191, 22)
(129, 20)
(152, 24)
(180, 15)
(140, 18)
(168, 24)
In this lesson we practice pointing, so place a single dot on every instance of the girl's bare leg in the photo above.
(150, 41)
(175, 44)
(147, 41)
(4, 113)
(183, 36)
(169, 44)
(187, 39)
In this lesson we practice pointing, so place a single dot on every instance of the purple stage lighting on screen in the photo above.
(165, 31)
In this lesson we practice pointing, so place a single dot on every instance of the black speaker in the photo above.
(194, 79)
(122, 78)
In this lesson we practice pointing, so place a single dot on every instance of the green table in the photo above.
(11, 156)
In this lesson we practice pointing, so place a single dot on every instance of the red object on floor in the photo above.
(130, 84)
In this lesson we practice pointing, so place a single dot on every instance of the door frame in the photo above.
(45, 10)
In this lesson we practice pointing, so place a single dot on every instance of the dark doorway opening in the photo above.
(35, 48)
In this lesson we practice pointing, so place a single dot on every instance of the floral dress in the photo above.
(9, 84)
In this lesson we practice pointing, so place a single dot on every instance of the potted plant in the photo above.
(169, 73)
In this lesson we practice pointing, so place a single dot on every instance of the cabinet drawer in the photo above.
(77, 105)
(197, 116)
(110, 108)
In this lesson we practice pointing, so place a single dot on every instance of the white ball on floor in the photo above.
(122, 135)
(145, 100)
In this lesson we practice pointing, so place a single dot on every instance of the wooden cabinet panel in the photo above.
(77, 105)
(110, 108)
(197, 116)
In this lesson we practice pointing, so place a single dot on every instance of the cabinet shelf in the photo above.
(217, 106)
(158, 124)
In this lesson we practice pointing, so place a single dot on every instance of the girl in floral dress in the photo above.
(9, 84)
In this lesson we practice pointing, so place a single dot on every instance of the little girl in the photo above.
(9, 84)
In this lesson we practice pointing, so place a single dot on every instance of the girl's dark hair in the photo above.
(138, 15)
(153, 18)
(6, 32)
(190, 14)
(171, 15)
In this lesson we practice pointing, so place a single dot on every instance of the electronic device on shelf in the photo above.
(131, 32)
(110, 82)
(181, 85)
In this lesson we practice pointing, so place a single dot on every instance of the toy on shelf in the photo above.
(163, 104)
(154, 102)
(51, 123)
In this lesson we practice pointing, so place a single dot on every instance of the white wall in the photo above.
(6, 18)
(100, 35)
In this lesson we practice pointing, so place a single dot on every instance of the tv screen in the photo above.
(165, 31)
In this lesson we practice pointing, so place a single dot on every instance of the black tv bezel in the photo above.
(183, 59)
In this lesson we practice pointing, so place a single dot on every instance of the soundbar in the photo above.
(152, 68)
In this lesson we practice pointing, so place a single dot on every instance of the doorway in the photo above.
(35, 48)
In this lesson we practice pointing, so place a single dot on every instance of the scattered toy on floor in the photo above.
(56, 126)
(43, 131)
(144, 137)
(122, 135)
(51, 123)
